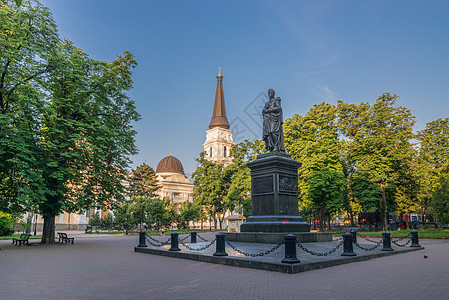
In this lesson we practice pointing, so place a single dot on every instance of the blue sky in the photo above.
(307, 51)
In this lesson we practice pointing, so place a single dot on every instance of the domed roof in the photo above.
(170, 164)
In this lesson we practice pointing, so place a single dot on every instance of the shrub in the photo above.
(6, 224)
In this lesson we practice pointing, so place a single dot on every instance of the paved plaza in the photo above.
(106, 267)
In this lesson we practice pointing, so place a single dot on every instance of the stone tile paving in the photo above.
(105, 267)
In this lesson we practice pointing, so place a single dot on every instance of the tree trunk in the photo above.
(313, 219)
(48, 233)
(322, 217)
(329, 222)
(383, 209)
(351, 218)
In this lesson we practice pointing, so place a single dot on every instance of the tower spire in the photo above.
(219, 114)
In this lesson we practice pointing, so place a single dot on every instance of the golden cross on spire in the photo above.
(170, 152)
(219, 71)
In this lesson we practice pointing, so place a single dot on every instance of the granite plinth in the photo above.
(276, 238)
(274, 195)
(275, 224)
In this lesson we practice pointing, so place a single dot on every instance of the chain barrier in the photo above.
(184, 238)
(157, 243)
(369, 240)
(253, 254)
(371, 248)
(201, 238)
(402, 238)
(196, 249)
(319, 253)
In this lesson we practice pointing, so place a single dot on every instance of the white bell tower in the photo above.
(218, 144)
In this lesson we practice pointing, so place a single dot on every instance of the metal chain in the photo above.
(403, 245)
(201, 238)
(253, 254)
(367, 239)
(184, 238)
(369, 249)
(159, 243)
(318, 253)
(197, 249)
(404, 237)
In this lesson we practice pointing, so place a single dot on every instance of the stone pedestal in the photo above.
(274, 179)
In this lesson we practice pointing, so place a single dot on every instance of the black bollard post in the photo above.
(387, 241)
(220, 245)
(290, 250)
(142, 243)
(193, 237)
(174, 242)
(354, 236)
(347, 245)
(414, 237)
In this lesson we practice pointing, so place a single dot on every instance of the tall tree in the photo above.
(381, 146)
(66, 119)
(86, 134)
(143, 181)
(312, 140)
(211, 183)
(28, 38)
(434, 166)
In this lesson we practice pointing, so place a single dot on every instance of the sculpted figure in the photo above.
(273, 135)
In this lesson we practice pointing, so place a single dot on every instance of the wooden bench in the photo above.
(22, 240)
(64, 238)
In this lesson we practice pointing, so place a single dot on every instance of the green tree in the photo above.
(107, 222)
(77, 115)
(239, 192)
(211, 183)
(434, 167)
(95, 220)
(188, 212)
(124, 217)
(7, 222)
(143, 181)
(312, 140)
(380, 136)
(28, 39)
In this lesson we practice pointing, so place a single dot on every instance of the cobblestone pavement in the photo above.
(106, 267)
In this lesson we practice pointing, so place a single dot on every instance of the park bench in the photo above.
(64, 238)
(22, 240)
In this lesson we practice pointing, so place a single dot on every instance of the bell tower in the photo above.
(218, 144)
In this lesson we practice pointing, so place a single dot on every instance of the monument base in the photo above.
(275, 224)
(276, 238)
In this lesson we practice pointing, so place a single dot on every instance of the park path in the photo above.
(106, 267)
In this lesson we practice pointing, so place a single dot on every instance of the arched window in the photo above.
(210, 152)
(225, 153)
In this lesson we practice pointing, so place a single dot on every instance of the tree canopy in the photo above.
(66, 120)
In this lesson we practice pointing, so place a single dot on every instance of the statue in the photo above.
(273, 135)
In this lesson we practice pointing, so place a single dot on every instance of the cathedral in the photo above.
(217, 148)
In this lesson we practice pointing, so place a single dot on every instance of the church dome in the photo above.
(170, 164)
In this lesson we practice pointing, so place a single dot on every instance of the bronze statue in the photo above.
(273, 135)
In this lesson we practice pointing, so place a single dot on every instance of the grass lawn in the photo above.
(17, 235)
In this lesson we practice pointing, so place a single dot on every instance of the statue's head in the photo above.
(270, 94)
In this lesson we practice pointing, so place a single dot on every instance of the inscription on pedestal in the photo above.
(263, 185)
(288, 184)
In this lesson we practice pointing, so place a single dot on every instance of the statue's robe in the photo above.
(273, 134)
